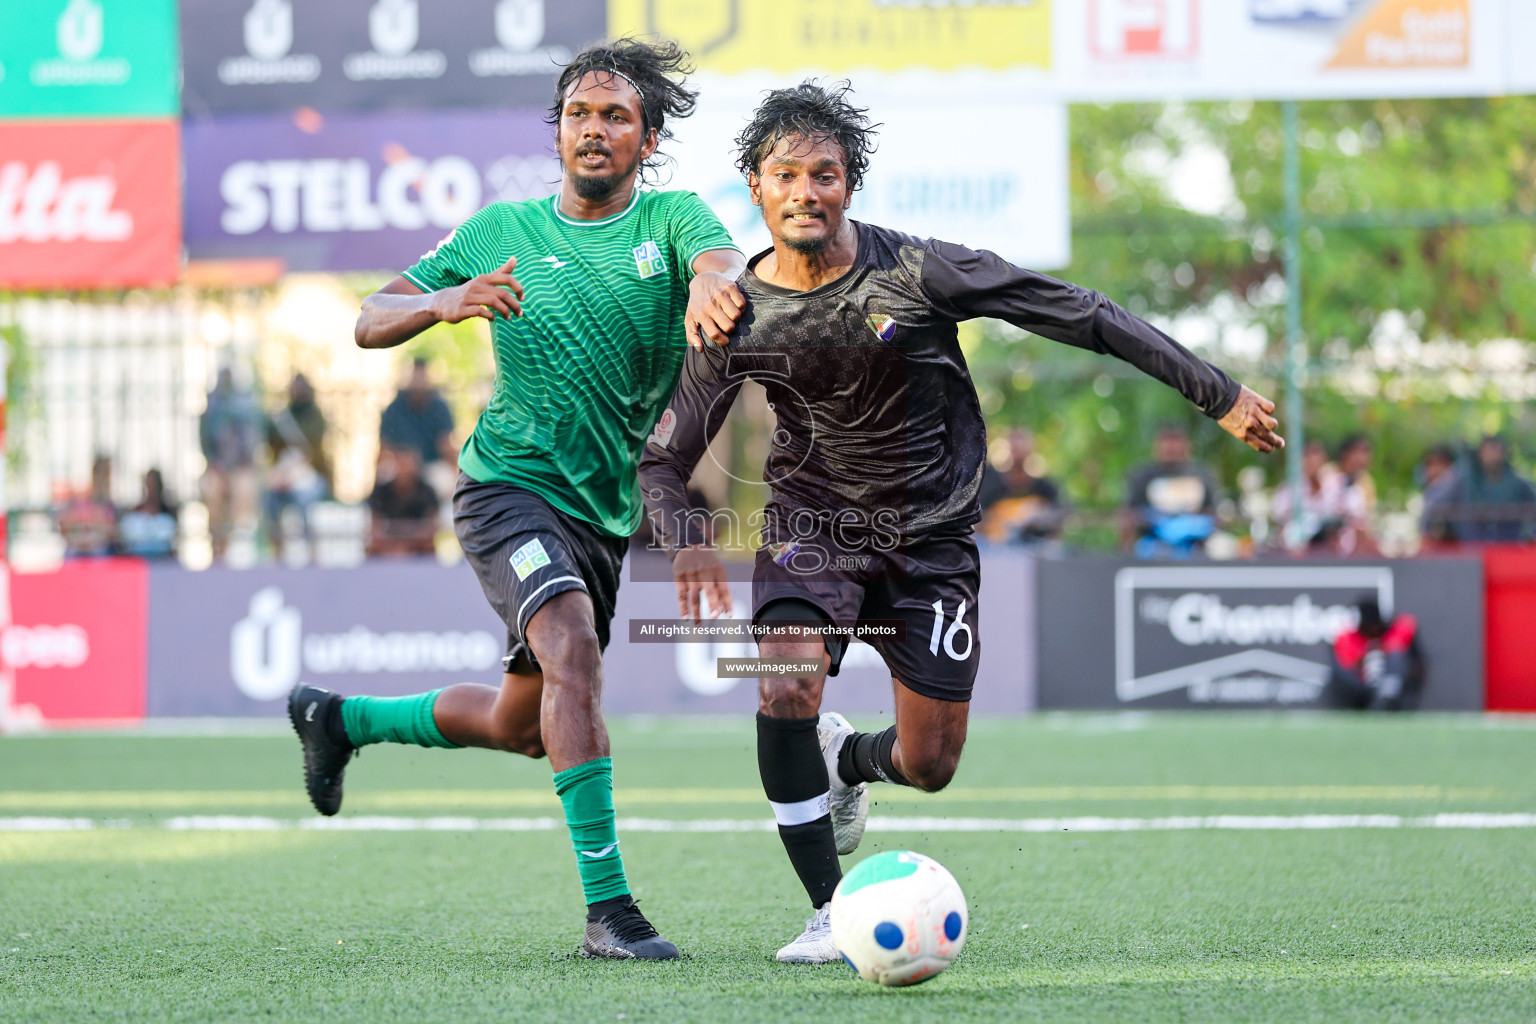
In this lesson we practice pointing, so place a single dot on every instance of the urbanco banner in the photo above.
(89, 204)
(88, 58)
(355, 191)
(1116, 633)
(273, 55)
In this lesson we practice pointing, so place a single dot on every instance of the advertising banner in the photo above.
(89, 204)
(816, 36)
(1157, 635)
(76, 641)
(355, 191)
(275, 55)
(926, 178)
(90, 58)
(1117, 50)
(227, 642)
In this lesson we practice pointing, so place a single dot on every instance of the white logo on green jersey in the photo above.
(529, 557)
(648, 260)
(555, 262)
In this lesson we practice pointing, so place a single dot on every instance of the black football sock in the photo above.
(795, 779)
(870, 757)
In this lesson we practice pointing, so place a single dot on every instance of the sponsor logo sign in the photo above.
(275, 55)
(88, 57)
(1241, 635)
(1166, 30)
(885, 35)
(89, 204)
(76, 643)
(355, 191)
(224, 642)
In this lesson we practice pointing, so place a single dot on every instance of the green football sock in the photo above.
(587, 793)
(392, 720)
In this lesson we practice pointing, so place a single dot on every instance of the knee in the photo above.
(572, 655)
(526, 740)
(779, 697)
(933, 772)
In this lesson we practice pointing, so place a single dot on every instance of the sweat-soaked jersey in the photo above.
(878, 426)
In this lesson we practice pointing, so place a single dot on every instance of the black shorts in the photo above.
(525, 551)
(930, 583)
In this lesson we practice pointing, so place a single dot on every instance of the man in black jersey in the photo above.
(875, 466)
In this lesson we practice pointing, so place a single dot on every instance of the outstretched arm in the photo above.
(714, 301)
(963, 283)
(698, 408)
(400, 310)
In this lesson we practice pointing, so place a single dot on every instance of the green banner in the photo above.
(88, 58)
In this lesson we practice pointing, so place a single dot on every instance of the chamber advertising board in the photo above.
(1158, 635)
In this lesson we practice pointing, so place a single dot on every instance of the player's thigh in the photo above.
(930, 592)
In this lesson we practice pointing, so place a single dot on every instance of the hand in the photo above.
(699, 573)
(714, 305)
(1251, 420)
(489, 295)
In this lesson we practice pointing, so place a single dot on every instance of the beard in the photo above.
(597, 187)
(808, 246)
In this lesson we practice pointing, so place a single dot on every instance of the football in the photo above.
(898, 918)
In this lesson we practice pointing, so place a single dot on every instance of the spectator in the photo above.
(1377, 665)
(301, 473)
(230, 431)
(1497, 504)
(1017, 506)
(404, 507)
(1335, 503)
(419, 418)
(149, 528)
(88, 522)
(1442, 490)
(1170, 502)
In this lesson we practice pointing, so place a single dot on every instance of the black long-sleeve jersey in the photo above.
(878, 422)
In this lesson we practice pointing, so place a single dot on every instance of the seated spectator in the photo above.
(1377, 665)
(149, 528)
(88, 522)
(300, 474)
(1497, 505)
(404, 507)
(1170, 502)
(1442, 491)
(1019, 507)
(1335, 516)
(419, 418)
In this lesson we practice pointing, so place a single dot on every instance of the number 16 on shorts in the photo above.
(950, 639)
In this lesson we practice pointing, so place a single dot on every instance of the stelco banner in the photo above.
(88, 58)
(1155, 635)
(89, 204)
(351, 191)
(227, 642)
(371, 54)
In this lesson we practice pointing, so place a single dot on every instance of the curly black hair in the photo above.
(814, 112)
(655, 68)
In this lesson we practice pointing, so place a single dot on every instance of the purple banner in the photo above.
(227, 642)
(354, 191)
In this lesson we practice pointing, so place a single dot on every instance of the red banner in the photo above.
(77, 640)
(1511, 608)
(88, 204)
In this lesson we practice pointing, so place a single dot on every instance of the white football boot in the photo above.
(850, 804)
(814, 946)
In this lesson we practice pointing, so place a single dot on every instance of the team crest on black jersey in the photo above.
(883, 326)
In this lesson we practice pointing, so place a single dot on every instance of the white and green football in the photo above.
(898, 918)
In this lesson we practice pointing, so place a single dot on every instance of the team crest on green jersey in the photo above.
(648, 260)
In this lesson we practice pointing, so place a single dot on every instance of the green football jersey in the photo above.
(583, 375)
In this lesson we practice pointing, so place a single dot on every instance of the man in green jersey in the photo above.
(588, 339)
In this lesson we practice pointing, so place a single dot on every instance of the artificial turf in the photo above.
(149, 923)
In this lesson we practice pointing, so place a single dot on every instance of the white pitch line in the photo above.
(382, 823)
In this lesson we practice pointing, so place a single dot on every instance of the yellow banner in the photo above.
(841, 35)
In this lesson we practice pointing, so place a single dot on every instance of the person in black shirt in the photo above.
(875, 466)
(403, 507)
(1170, 502)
